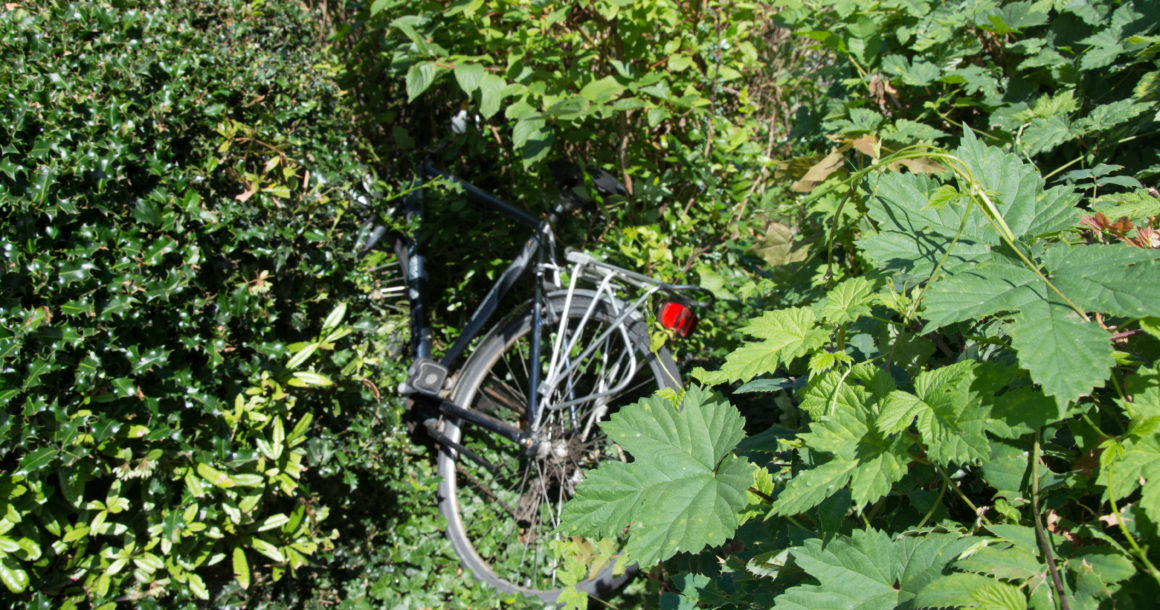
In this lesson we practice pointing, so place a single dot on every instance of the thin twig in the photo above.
(1056, 581)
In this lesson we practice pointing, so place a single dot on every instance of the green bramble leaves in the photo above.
(870, 569)
(684, 487)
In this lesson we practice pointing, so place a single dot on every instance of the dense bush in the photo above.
(175, 213)
(966, 391)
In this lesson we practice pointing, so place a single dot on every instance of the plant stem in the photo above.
(930, 513)
(1056, 581)
(1136, 550)
(962, 496)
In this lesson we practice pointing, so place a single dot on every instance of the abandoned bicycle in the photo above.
(517, 420)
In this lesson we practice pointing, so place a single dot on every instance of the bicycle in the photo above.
(516, 422)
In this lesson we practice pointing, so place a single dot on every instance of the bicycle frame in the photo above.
(538, 253)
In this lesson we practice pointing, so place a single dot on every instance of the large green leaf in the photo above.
(683, 490)
(973, 294)
(783, 335)
(870, 569)
(950, 421)
(1115, 279)
(1012, 185)
(1065, 355)
(419, 77)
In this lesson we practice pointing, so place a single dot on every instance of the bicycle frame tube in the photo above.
(502, 286)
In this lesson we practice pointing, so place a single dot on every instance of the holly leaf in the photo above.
(784, 334)
(684, 488)
(1066, 356)
(869, 569)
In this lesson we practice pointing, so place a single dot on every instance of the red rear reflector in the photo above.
(678, 318)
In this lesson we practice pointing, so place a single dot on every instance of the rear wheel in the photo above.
(502, 524)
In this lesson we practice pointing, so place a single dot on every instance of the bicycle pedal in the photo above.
(426, 375)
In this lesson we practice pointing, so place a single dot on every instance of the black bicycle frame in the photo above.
(416, 292)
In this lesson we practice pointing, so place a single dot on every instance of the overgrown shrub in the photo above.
(176, 211)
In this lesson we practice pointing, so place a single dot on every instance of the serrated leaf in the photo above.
(784, 335)
(683, 490)
(1044, 134)
(869, 569)
(950, 421)
(1139, 462)
(1005, 562)
(848, 301)
(907, 131)
(810, 488)
(1065, 355)
(1105, 48)
(1013, 184)
(914, 236)
(987, 289)
(1115, 279)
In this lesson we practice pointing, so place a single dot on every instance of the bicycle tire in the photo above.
(497, 522)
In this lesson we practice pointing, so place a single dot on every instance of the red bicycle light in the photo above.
(678, 318)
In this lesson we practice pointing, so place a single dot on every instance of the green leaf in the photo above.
(964, 590)
(914, 236)
(784, 335)
(241, 567)
(35, 460)
(267, 549)
(950, 421)
(870, 570)
(14, 577)
(303, 379)
(810, 488)
(490, 94)
(848, 301)
(214, 476)
(1105, 48)
(971, 295)
(602, 90)
(1065, 355)
(419, 78)
(1044, 134)
(683, 490)
(334, 318)
(197, 585)
(529, 129)
(1014, 186)
(468, 76)
(1115, 279)
(1139, 461)
(406, 25)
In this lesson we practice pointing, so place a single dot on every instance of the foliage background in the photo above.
(183, 187)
